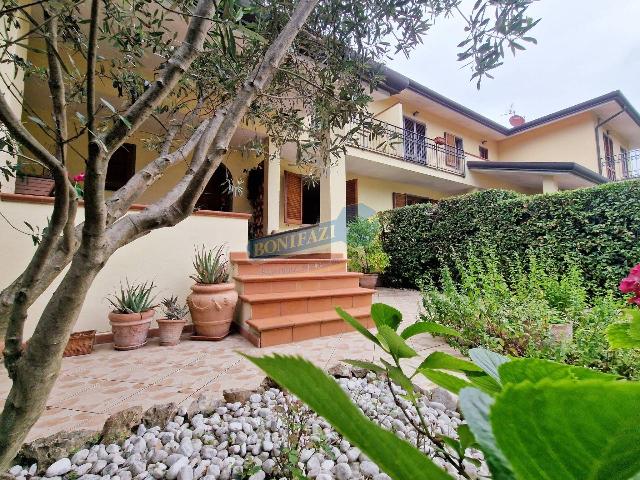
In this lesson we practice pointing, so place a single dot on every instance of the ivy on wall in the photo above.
(598, 228)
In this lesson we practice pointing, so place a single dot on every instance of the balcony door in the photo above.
(610, 160)
(415, 141)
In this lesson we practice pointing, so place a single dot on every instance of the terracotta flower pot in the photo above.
(130, 329)
(369, 280)
(212, 308)
(170, 331)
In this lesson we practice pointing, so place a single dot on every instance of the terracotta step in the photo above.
(264, 305)
(249, 284)
(285, 266)
(277, 330)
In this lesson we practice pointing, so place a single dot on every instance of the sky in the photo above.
(585, 48)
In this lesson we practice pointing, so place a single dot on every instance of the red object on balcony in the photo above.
(516, 120)
(439, 140)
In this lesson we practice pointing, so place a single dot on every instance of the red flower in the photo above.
(631, 284)
(79, 177)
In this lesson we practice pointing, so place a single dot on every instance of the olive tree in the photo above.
(303, 70)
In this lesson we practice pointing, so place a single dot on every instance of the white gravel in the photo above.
(251, 441)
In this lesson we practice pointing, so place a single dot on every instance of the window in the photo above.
(624, 161)
(404, 199)
(454, 148)
(415, 146)
(122, 166)
(352, 199)
(610, 160)
(292, 198)
(301, 202)
(484, 153)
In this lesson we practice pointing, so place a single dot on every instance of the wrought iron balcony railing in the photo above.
(411, 147)
(622, 166)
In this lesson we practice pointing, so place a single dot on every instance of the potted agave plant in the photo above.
(173, 322)
(213, 298)
(132, 315)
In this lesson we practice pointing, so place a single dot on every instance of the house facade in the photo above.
(431, 148)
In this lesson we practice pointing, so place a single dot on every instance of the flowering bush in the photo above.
(77, 180)
(631, 284)
(627, 335)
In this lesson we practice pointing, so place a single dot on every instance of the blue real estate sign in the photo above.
(297, 241)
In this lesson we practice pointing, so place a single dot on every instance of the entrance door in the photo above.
(610, 160)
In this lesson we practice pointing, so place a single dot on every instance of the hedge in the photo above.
(599, 228)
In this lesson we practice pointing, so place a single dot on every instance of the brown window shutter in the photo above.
(399, 200)
(450, 140)
(352, 192)
(292, 198)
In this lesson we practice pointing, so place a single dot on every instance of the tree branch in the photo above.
(57, 88)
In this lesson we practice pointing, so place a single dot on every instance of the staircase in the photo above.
(284, 300)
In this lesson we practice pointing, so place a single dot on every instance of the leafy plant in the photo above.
(364, 248)
(172, 309)
(594, 228)
(133, 298)
(531, 418)
(210, 265)
(627, 335)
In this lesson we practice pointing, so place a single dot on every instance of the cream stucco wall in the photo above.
(568, 140)
(164, 257)
(9, 76)
(377, 194)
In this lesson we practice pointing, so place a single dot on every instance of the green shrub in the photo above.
(364, 248)
(513, 314)
(595, 228)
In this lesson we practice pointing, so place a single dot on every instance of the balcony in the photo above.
(623, 166)
(411, 147)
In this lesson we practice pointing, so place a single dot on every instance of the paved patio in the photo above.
(90, 388)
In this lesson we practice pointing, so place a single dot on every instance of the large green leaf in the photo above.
(382, 314)
(444, 361)
(399, 459)
(445, 380)
(475, 406)
(535, 370)
(619, 336)
(357, 325)
(564, 429)
(428, 327)
(488, 361)
(395, 343)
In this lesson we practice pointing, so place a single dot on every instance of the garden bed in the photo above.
(256, 435)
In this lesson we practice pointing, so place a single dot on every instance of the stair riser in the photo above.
(299, 333)
(284, 268)
(285, 286)
(303, 305)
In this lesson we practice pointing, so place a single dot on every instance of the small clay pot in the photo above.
(561, 332)
(170, 331)
(369, 280)
(130, 329)
(212, 308)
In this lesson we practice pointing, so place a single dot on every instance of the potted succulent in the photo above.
(173, 322)
(132, 315)
(213, 299)
(364, 250)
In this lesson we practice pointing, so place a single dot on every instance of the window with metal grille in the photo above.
(484, 153)
(415, 140)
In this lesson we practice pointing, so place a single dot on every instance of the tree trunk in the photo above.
(37, 369)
